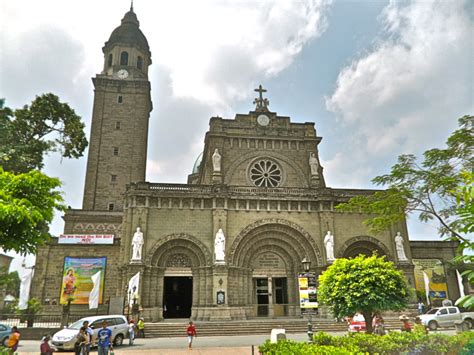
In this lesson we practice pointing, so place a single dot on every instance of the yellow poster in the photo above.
(435, 270)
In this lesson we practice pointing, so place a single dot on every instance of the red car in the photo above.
(356, 323)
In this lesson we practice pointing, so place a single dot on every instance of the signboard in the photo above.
(308, 292)
(86, 239)
(435, 270)
(77, 283)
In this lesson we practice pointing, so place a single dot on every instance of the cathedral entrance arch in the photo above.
(178, 259)
(269, 254)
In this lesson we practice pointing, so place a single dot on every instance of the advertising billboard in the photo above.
(308, 292)
(434, 269)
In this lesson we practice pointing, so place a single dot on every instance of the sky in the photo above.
(378, 78)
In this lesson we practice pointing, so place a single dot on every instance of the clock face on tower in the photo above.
(263, 120)
(122, 74)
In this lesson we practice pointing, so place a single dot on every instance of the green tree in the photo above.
(363, 284)
(427, 188)
(10, 282)
(465, 213)
(47, 125)
(27, 205)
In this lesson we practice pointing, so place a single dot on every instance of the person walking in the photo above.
(131, 332)
(191, 332)
(421, 307)
(80, 348)
(141, 328)
(89, 333)
(45, 348)
(13, 340)
(104, 340)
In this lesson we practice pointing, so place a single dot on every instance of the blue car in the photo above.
(5, 331)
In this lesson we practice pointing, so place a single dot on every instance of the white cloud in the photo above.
(419, 75)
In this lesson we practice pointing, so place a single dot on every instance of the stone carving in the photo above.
(137, 244)
(399, 246)
(313, 164)
(219, 246)
(159, 249)
(178, 260)
(216, 161)
(272, 224)
(329, 244)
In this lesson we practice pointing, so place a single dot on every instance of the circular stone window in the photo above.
(265, 173)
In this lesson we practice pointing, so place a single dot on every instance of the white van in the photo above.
(67, 337)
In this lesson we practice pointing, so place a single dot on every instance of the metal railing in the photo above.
(38, 320)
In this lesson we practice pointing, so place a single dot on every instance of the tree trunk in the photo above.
(368, 322)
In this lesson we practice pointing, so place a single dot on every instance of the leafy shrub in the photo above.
(394, 343)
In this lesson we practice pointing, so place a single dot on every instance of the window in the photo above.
(111, 206)
(109, 61)
(443, 311)
(95, 325)
(139, 62)
(2, 328)
(115, 151)
(124, 58)
(120, 99)
(113, 178)
(452, 310)
(265, 173)
(117, 125)
(119, 321)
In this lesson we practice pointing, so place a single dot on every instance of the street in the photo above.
(234, 345)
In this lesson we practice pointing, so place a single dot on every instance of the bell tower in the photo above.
(122, 106)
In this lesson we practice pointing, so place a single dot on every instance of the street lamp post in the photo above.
(306, 266)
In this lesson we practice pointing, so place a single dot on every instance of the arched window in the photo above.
(139, 62)
(109, 61)
(124, 58)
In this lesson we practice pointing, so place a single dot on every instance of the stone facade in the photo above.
(266, 191)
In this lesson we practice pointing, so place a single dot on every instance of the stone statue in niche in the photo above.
(313, 164)
(400, 249)
(137, 245)
(219, 246)
(216, 161)
(329, 244)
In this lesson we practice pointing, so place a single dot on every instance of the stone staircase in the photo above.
(177, 328)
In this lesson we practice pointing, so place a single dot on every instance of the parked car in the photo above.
(357, 323)
(446, 317)
(5, 331)
(67, 337)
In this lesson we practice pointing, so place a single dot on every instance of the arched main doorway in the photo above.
(266, 258)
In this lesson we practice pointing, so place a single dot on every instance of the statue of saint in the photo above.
(329, 244)
(399, 246)
(137, 244)
(219, 246)
(313, 164)
(216, 161)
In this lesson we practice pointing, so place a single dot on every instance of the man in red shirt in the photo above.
(191, 331)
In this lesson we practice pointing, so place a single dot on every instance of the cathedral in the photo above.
(229, 243)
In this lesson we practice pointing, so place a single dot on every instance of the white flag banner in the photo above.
(94, 295)
(426, 279)
(133, 287)
(461, 286)
(25, 288)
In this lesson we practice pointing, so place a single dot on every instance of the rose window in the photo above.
(265, 173)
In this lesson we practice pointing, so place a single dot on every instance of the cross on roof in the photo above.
(260, 102)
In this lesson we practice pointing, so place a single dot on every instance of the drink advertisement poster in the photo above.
(308, 291)
(77, 282)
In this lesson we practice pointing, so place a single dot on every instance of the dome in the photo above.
(197, 164)
(128, 33)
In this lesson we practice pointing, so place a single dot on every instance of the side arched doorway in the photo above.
(364, 245)
(265, 259)
(177, 278)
